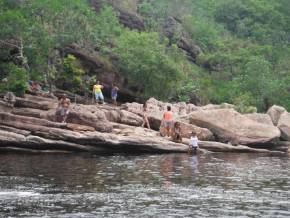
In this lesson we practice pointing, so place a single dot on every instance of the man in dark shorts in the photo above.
(114, 94)
(63, 109)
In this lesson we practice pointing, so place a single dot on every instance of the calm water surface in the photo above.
(172, 185)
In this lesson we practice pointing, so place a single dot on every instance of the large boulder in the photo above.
(117, 115)
(275, 112)
(230, 126)
(202, 133)
(89, 115)
(284, 126)
(260, 118)
(156, 110)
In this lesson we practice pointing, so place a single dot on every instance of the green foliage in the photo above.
(261, 20)
(17, 79)
(186, 90)
(148, 63)
(243, 103)
(71, 76)
(244, 59)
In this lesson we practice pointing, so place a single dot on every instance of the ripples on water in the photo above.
(172, 185)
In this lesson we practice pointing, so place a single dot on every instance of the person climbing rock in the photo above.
(145, 116)
(97, 90)
(62, 111)
(114, 94)
(168, 121)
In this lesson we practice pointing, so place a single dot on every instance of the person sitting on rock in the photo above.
(114, 94)
(176, 134)
(145, 116)
(193, 143)
(62, 111)
(10, 98)
(168, 121)
(97, 90)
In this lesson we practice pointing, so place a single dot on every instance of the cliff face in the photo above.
(94, 63)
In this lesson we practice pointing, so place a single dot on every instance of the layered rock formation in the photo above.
(29, 126)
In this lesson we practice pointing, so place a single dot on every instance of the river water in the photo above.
(171, 185)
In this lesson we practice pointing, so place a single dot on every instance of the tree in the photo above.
(148, 63)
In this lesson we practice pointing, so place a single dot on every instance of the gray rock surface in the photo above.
(275, 112)
(229, 125)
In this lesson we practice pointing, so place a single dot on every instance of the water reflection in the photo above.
(146, 185)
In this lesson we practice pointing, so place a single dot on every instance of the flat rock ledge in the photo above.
(30, 126)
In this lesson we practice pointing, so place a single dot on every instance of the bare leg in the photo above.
(147, 122)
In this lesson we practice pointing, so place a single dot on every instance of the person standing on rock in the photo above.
(10, 98)
(63, 109)
(145, 116)
(168, 121)
(114, 94)
(97, 90)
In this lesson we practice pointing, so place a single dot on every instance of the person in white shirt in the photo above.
(193, 143)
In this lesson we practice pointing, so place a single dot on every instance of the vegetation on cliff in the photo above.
(234, 51)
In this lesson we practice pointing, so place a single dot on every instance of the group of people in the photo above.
(62, 110)
(98, 94)
(172, 129)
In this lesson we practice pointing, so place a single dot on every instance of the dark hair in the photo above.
(168, 108)
(193, 133)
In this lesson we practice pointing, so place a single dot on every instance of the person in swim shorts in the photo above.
(62, 111)
(97, 90)
(168, 121)
(114, 94)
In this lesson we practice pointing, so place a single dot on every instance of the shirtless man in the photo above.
(63, 109)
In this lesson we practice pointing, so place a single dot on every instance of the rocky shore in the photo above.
(29, 126)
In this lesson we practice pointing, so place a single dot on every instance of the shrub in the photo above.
(17, 79)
